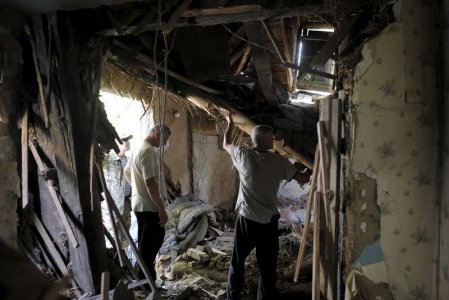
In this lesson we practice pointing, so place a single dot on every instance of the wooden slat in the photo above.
(55, 197)
(316, 248)
(123, 227)
(24, 143)
(324, 172)
(308, 213)
(49, 244)
(116, 232)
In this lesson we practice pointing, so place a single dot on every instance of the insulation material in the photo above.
(395, 143)
(215, 179)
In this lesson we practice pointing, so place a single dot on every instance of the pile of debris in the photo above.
(195, 257)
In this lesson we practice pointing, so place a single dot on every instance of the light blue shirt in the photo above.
(261, 173)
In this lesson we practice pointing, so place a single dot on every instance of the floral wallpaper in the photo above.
(395, 138)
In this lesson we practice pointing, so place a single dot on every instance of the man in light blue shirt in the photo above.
(260, 172)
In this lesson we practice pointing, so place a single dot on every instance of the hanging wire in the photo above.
(245, 40)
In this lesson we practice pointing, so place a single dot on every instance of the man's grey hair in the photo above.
(162, 128)
(261, 133)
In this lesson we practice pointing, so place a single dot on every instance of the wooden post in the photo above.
(24, 142)
(316, 249)
(105, 286)
(329, 138)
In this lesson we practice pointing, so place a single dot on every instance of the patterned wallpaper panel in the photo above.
(395, 142)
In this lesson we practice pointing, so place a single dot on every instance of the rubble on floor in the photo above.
(201, 271)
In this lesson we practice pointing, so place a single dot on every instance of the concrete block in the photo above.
(198, 255)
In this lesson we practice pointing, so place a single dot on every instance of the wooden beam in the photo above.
(243, 60)
(174, 18)
(54, 195)
(310, 70)
(238, 54)
(215, 106)
(218, 11)
(210, 20)
(261, 61)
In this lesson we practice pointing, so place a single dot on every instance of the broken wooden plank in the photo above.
(324, 171)
(243, 61)
(174, 18)
(116, 234)
(308, 214)
(24, 144)
(128, 236)
(241, 121)
(49, 244)
(217, 11)
(209, 20)
(55, 197)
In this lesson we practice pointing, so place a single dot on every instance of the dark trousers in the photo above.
(263, 237)
(150, 239)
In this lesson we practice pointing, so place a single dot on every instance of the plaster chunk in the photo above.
(363, 227)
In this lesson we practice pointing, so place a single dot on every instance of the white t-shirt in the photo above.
(260, 173)
(143, 165)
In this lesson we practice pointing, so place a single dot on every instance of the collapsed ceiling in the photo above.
(256, 58)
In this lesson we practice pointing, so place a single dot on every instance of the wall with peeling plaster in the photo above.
(10, 66)
(214, 177)
(394, 154)
(177, 156)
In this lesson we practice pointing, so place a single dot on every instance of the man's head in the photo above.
(157, 132)
(262, 137)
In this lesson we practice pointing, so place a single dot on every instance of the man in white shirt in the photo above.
(260, 173)
(148, 206)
